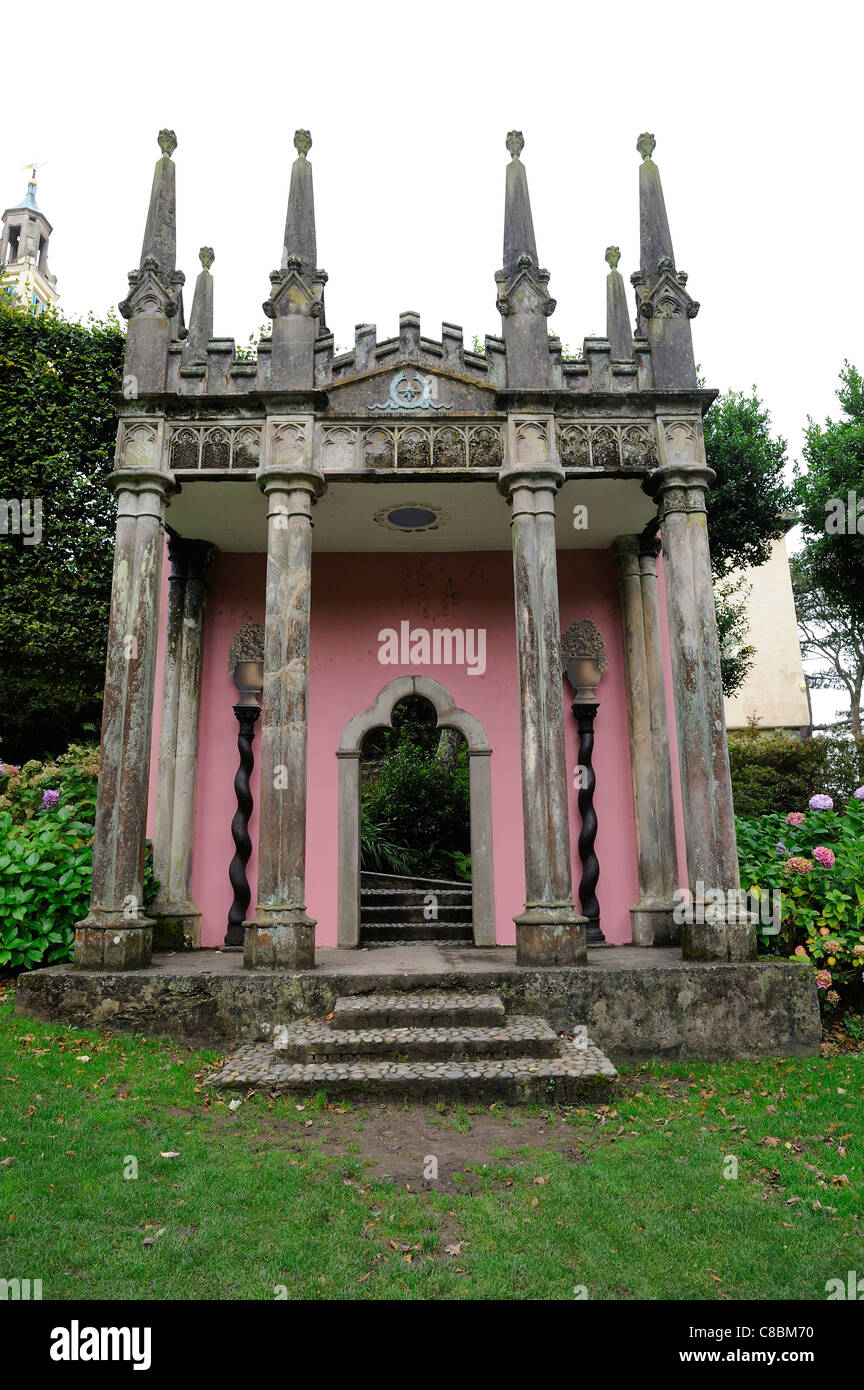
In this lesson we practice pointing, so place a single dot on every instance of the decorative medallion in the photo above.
(410, 390)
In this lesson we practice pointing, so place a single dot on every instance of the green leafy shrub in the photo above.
(46, 857)
(45, 870)
(818, 868)
(379, 852)
(422, 801)
(73, 775)
(774, 770)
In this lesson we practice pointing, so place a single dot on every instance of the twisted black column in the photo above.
(246, 717)
(585, 713)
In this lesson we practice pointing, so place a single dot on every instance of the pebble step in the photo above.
(317, 1042)
(417, 1045)
(436, 1009)
(577, 1073)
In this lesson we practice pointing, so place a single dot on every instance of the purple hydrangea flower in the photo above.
(858, 793)
(50, 798)
(821, 802)
(781, 848)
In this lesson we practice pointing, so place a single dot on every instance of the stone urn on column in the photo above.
(246, 666)
(585, 661)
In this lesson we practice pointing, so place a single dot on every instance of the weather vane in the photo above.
(33, 166)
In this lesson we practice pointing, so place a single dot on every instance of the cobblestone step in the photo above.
(435, 1009)
(576, 1073)
(317, 1042)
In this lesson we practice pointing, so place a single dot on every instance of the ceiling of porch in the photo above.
(351, 516)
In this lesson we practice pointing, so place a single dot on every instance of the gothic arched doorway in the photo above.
(350, 752)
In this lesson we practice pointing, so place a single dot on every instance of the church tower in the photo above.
(24, 273)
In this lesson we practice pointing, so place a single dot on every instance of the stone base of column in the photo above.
(110, 941)
(653, 924)
(716, 936)
(550, 934)
(176, 925)
(281, 940)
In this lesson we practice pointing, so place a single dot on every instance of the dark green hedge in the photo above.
(57, 430)
(776, 772)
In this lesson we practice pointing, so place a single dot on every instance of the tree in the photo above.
(750, 494)
(834, 454)
(745, 506)
(57, 430)
(832, 633)
(736, 653)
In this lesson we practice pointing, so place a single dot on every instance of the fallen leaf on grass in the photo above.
(454, 1249)
(171, 1153)
(4, 1161)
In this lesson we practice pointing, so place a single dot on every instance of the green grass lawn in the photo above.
(628, 1199)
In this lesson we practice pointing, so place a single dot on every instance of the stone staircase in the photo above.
(421, 1046)
(395, 911)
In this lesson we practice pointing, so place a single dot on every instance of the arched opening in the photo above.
(415, 830)
(419, 700)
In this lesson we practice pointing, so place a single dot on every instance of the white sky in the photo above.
(756, 108)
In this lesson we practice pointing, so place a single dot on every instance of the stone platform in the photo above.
(637, 1002)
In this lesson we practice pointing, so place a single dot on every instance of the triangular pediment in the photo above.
(403, 388)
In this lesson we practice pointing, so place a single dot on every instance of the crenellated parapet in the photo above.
(411, 401)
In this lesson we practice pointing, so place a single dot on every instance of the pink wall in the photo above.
(354, 597)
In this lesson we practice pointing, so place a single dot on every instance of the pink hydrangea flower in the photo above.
(821, 802)
(799, 865)
(825, 856)
(50, 798)
(823, 979)
(795, 818)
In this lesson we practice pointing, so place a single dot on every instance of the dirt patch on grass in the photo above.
(421, 1149)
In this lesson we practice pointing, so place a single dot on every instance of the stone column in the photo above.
(281, 934)
(176, 917)
(714, 932)
(115, 934)
(668, 932)
(550, 931)
(651, 915)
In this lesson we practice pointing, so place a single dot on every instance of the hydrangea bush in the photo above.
(816, 861)
(46, 856)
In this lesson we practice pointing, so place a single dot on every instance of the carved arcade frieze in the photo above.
(224, 446)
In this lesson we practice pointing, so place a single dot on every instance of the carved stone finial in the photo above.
(645, 145)
(167, 142)
(583, 639)
(302, 142)
(515, 143)
(206, 256)
(612, 257)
